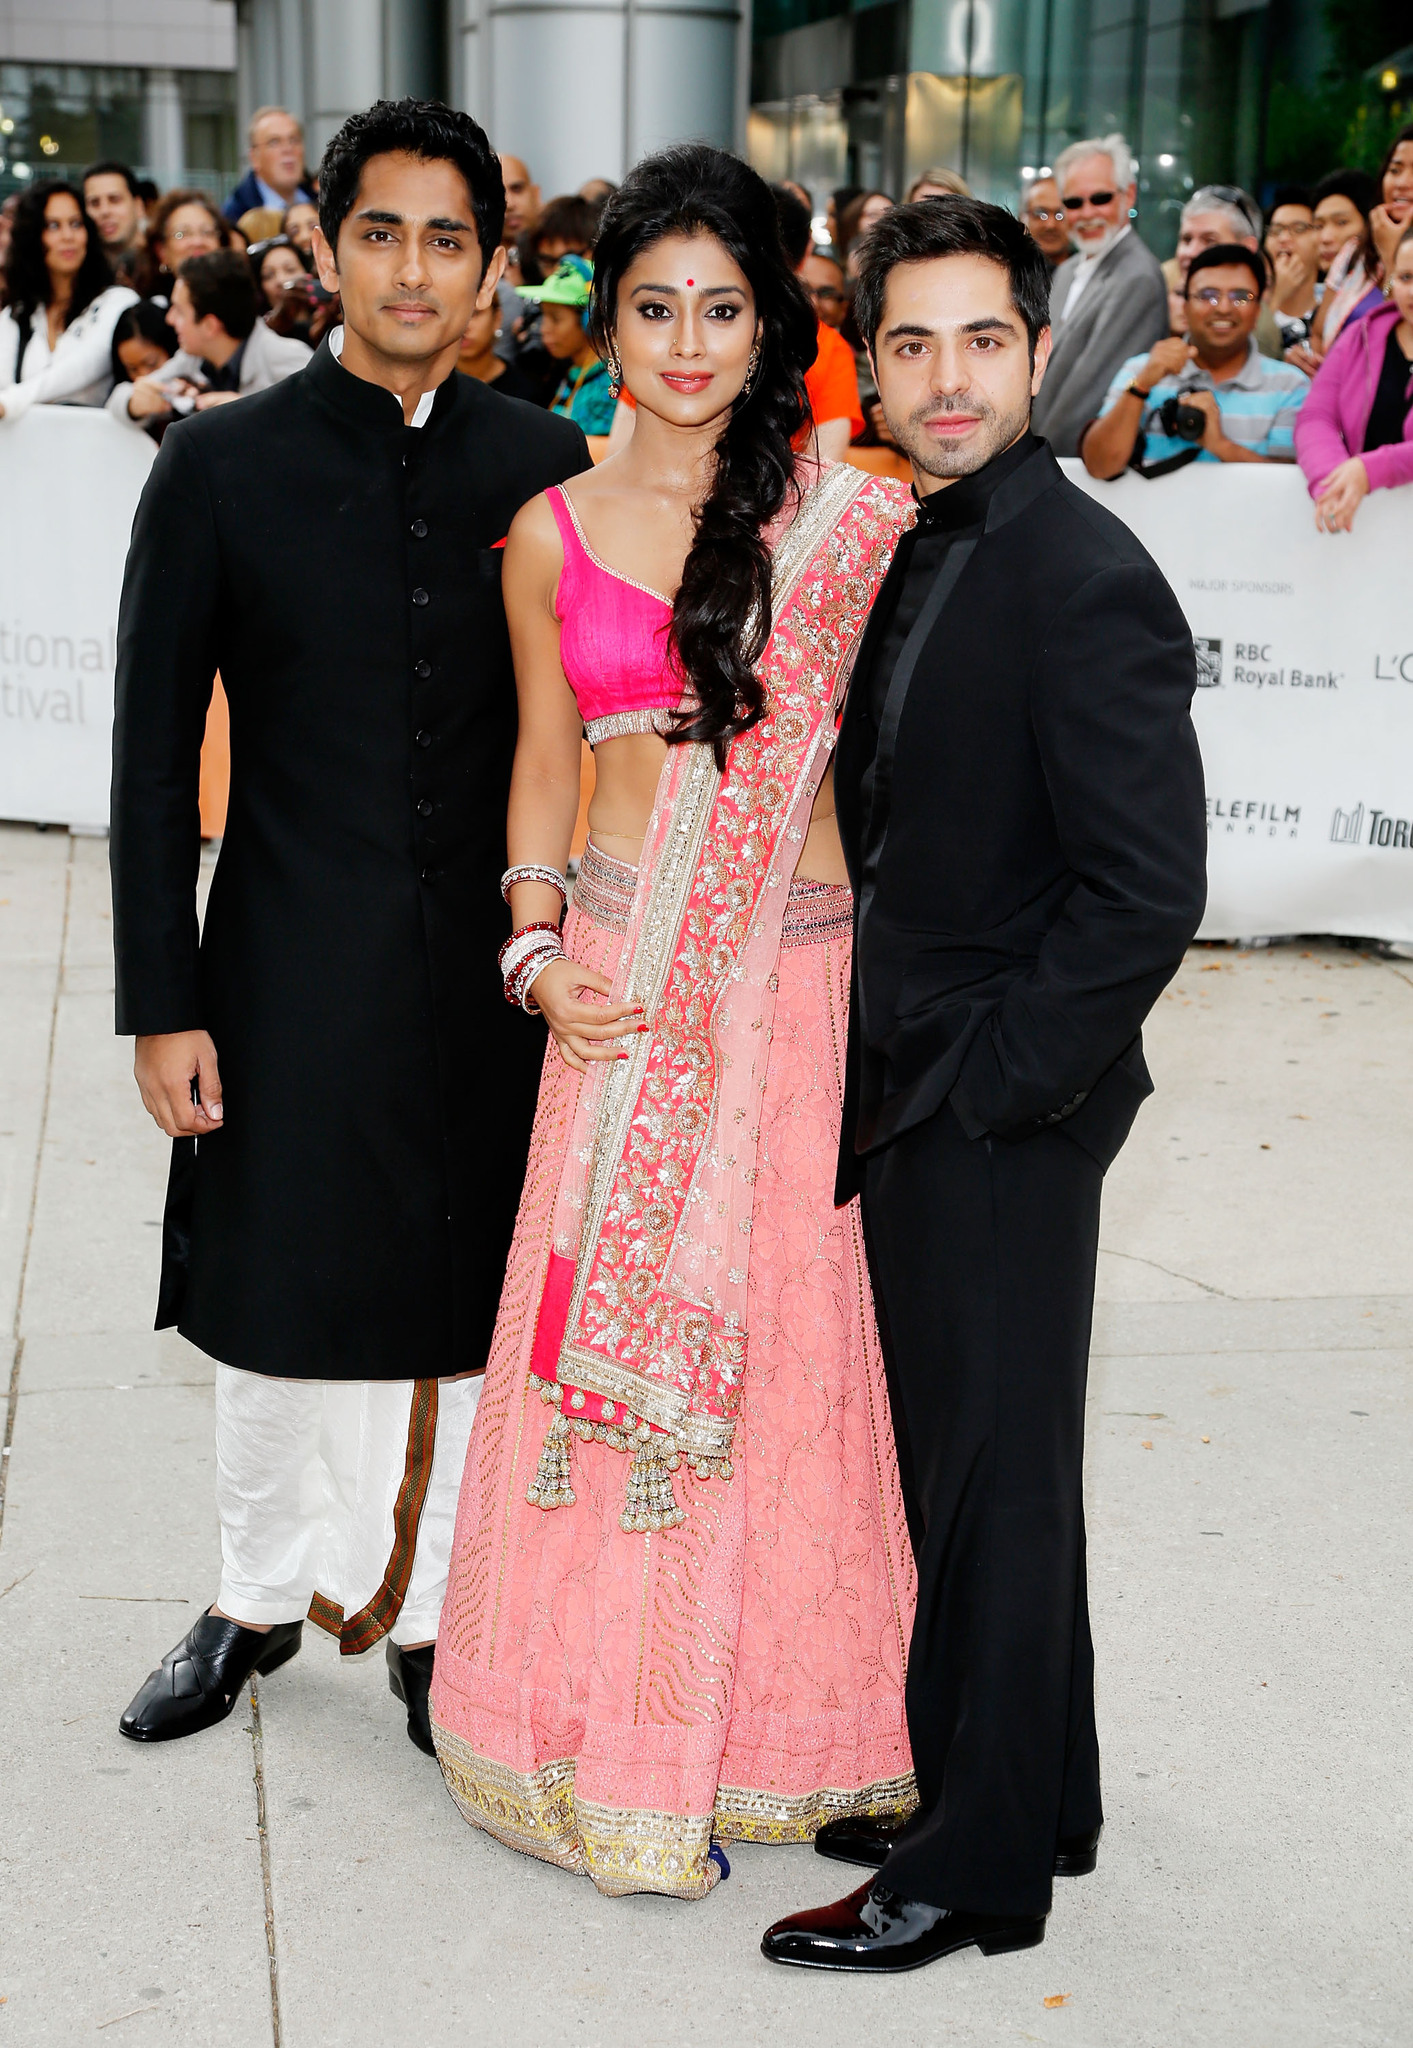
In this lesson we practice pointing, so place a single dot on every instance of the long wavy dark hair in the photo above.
(27, 282)
(721, 616)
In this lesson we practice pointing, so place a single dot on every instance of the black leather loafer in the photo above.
(868, 1838)
(876, 1930)
(410, 1680)
(197, 1684)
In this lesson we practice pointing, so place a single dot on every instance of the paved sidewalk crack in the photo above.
(257, 1743)
(13, 1401)
(1191, 1279)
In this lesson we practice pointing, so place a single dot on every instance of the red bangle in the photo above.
(542, 925)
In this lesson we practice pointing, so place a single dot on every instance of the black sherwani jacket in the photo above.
(351, 1219)
(1022, 812)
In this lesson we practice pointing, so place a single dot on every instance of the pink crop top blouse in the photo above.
(612, 639)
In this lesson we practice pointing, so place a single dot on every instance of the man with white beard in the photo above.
(1108, 301)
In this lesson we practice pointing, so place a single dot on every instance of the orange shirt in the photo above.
(831, 383)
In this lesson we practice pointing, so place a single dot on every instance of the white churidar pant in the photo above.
(339, 1493)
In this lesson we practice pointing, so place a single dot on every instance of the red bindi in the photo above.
(690, 282)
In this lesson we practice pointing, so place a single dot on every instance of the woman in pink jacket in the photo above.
(1354, 433)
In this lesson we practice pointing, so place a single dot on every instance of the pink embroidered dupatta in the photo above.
(641, 1339)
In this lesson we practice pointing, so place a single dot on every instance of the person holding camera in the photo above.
(1206, 396)
(224, 350)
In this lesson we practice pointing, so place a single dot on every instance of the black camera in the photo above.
(1182, 422)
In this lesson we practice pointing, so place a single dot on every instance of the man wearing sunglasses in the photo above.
(1240, 406)
(1107, 301)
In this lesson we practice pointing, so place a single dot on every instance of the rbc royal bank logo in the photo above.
(1209, 662)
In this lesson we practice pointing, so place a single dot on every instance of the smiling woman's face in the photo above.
(278, 268)
(686, 327)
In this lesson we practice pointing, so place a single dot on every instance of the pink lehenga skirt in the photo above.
(612, 1702)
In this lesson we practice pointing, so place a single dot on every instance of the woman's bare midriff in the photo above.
(626, 772)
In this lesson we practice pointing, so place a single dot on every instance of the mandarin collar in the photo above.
(965, 502)
(369, 406)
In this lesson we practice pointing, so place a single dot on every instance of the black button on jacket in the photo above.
(352, 1217)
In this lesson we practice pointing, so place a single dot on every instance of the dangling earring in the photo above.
(615, 372)
(752, 366)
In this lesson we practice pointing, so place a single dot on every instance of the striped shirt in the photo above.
(1258, 405)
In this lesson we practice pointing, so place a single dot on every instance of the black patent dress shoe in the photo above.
(868, 1839)
(410, 1680)
(877, 1930)
(197, 1684)
(1077, 1855)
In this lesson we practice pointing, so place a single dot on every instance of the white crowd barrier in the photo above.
(1305, 651)
(70, 479)
(1305, 714)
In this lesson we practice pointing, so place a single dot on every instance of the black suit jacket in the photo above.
(340, 569)
(1025, 831)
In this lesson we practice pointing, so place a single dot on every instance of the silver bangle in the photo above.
(530, 871)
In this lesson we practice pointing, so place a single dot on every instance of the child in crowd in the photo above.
(585, 394)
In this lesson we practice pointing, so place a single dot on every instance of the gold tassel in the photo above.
(650, 1503)
(550, 1487)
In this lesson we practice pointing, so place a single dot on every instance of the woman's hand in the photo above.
(1386, 226)
(584, 1030)
(1340, 496)
(1303, 358)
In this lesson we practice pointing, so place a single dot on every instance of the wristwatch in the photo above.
(1137, 391)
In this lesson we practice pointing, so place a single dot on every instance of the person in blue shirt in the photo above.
(1230, 403)
(585, 394)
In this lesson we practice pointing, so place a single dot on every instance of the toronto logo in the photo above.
(1347, 829)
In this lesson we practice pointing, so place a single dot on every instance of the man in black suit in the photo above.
(1021, 804)
(349, 1095)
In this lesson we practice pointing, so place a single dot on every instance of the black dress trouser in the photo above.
(982, 1253)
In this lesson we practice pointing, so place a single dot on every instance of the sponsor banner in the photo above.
(1304, 708)
(70, 479)
(1304, 647)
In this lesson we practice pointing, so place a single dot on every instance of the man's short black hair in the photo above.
(796, 231)
(952, 227)
(1289, 195)
(1355, 186)
(420, 128)
(221, 284)
(1222, 253)
(113, 169)
(568, 219)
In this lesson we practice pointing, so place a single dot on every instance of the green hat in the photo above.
(569, 286)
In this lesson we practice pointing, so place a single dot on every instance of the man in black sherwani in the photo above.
(1021, 804)
(349, 1093)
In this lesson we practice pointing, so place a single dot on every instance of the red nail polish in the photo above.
(644, 1027)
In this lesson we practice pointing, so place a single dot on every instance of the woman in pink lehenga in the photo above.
(681, 1587)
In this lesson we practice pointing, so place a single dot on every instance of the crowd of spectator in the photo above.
(1265, 337)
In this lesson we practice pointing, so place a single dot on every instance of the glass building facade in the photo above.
(56, 118)
(845, 92)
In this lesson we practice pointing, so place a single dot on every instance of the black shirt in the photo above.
(226, 377)
(513, 383)
(942, 517)
(1390, 407)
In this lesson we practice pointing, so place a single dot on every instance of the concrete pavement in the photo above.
(1250, 1438)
